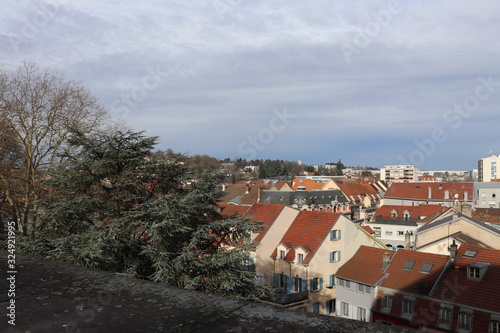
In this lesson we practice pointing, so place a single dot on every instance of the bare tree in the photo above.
(39, 107)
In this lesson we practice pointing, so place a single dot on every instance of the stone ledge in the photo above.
(53, 296)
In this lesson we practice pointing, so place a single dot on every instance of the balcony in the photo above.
(280, 297)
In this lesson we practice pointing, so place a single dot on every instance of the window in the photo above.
(347, 284)
(363, 288)
(495, 326)
(470, 253)
(335, 234)
(426, 268)
(341, 282)
(330, 306)
(407, 307)
(388, 232)
(298, 284)
(473, 273)
(300, 258)
(282, 254)
(377, 231)
(316, 284)
(445, 316)
(387, 301)
(335, 256)
(409, 265)
(344, 309)
(332, 280)
(401, 233)
(282, 281)
(464, 321)
(362, 314)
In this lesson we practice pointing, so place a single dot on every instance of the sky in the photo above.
(369, 82)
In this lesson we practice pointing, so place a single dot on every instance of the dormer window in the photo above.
(477, 270)
(282, 254)
(394, 213)
(300, 258)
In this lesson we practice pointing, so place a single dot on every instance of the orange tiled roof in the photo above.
(420, 191)
(365, 266)
(481, 294)
(415, 211)
(413, 280)
(309, 184)
(353, 187)
(309, 229)
(368, 229)
(266, 213)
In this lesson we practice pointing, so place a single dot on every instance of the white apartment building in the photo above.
(487, 168)
(399, 173)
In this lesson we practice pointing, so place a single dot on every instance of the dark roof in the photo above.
(490, 215)
(290, 198)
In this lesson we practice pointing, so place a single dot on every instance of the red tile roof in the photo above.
(413, 280)
(230, 210)
(365, 266)
(309, 230)
(420, 191)
(483, 294)
(353, 187)
(309, 184)
(368, 229)
(415, 211)
(266, 213)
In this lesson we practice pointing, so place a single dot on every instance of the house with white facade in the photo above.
(357, 282)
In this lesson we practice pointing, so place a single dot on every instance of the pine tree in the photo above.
(118, 206)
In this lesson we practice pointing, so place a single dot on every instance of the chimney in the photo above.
(453, 250)
(223, 187)
(429, 196)
(247, 189)
(407, 240)
(466, 196)
(386, 260)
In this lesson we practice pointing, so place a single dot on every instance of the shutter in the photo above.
(304, 284)
(316, 307)
(289, 284)
(331, 280)
(338, 253)
(311, 285)
(332, 254)
(321, 283)
(327, 308)
(276, 280)
(331, 235)
(339, 234)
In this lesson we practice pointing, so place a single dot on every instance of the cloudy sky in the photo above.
(367, 82)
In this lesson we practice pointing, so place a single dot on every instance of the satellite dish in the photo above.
(456, 195)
